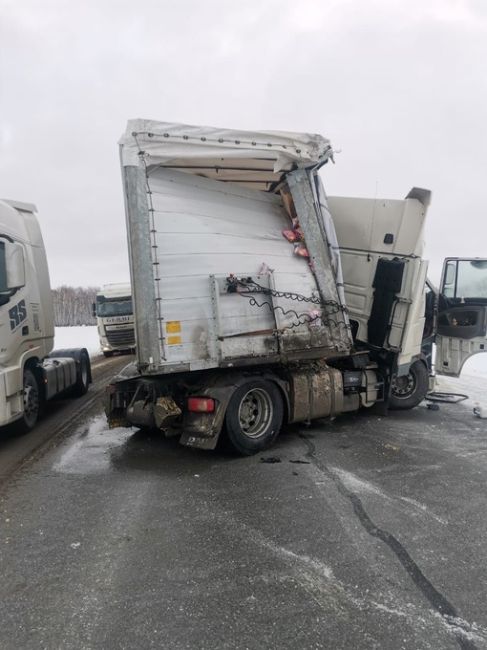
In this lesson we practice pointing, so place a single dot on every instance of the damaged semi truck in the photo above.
(258, 300)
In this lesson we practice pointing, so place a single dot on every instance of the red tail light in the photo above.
(201, 404)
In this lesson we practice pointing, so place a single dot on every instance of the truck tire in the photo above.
(32, 403)
(409, 390)
(82, 375)
(254, 417)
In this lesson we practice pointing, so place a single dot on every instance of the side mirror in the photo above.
(12, 266)
(93, 309)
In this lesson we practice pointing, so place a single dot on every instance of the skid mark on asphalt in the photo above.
(353, 482)
(465, 633)
(318, 567)
(318, 580)
(314, 576)
(421, 506)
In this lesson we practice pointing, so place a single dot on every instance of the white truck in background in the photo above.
(115, 318)
(30, 371)
(260, 301)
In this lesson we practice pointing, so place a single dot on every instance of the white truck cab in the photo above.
(30, 373)
(115, 318)
(373, 232)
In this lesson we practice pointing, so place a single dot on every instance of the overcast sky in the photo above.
(400, 88)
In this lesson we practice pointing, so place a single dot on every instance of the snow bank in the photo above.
(78, 337)
(476, 365)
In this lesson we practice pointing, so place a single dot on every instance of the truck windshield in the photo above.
(121, 307)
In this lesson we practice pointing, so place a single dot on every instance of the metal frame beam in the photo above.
(141, 266)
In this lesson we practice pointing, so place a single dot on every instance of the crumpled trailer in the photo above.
(240, 313)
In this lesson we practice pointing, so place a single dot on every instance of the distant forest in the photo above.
(72, 305)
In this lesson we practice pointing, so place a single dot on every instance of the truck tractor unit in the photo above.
(30, 371)
(260, 301)
(115, 318)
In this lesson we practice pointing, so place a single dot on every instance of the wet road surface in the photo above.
(59, 418)
(364, 532)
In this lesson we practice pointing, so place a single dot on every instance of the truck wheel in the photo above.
(31, 403)
(409, 390)
(82, 375)
(254, 417)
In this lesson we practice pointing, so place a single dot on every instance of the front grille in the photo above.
(121, 338)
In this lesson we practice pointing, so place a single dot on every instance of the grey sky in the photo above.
(399, 87)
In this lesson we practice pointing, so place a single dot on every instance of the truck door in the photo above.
(462, 313)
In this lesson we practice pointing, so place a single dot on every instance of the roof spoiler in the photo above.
(19, 205)
(421, 195)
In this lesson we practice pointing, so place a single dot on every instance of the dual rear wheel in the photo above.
(254, 416)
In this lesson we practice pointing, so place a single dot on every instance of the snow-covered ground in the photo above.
(472, 382)
(78, 337)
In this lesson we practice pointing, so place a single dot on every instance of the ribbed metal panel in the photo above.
(203, 231)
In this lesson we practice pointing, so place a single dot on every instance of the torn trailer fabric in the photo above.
(255, 159)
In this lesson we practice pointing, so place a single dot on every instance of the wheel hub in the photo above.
(403, 386)
(255, 412)
(31, 401)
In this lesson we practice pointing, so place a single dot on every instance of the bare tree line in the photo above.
(72, 305)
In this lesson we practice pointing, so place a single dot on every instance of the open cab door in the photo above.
(462, 313)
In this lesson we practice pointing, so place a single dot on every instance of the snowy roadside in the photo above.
(472, 381)
(468, 384)
(83, 336)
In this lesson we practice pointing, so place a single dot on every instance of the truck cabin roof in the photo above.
(255, 159)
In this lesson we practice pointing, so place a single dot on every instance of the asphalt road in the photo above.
(365, 532)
